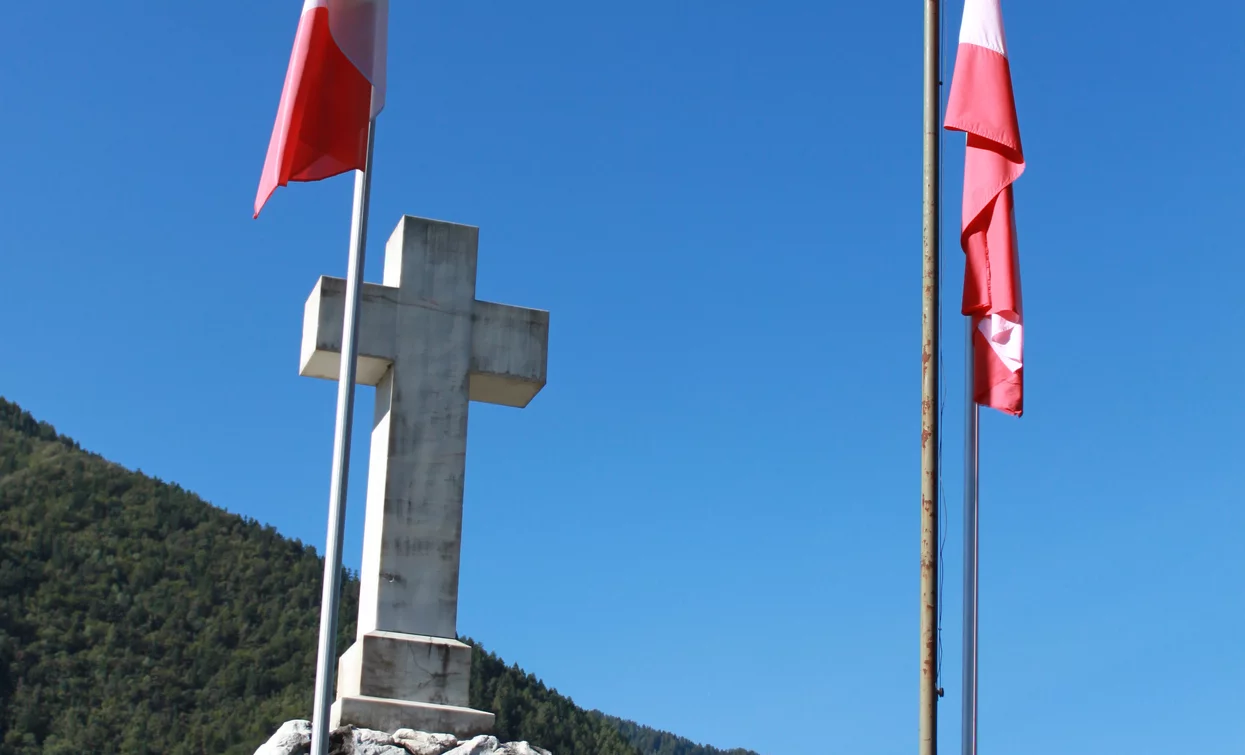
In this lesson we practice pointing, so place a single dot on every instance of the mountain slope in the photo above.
(650, 741)
(136, 618)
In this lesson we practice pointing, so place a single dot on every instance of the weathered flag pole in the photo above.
(927, 727)
(330, 598)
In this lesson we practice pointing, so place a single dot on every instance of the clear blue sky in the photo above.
(709, 520)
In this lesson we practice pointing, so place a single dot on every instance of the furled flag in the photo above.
(334, 86)
(981, 104)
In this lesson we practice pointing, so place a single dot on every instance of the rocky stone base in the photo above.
(294, 738)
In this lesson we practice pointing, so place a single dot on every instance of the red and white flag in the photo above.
(334, 86)
(982, 105)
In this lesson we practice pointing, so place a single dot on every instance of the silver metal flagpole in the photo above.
(326, 653)
(972, 429)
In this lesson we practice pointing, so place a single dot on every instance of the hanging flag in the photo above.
(981, 104)
(334, 86)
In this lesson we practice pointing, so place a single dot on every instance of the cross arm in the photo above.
(509, 353)
(323, 316)
(509, 345)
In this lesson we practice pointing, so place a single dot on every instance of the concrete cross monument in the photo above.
(430, 348)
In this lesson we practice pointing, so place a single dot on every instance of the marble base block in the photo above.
(390, 715)
(388, 681)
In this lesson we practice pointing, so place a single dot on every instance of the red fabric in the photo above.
(981, 104)
(321, 126)
(994, 384)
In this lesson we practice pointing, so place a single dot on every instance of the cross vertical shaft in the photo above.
(409, 576)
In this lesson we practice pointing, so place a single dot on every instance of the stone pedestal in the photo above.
(390, 680)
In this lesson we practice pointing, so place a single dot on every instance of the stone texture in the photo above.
(430, 348)
(423, 338)
(370, 742)
(294, 738)
(423, 743)
(413, 668)
(488, 745)
(390, 715)
(481, 745)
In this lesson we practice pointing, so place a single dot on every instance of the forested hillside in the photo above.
(137, 619)
(653, 742)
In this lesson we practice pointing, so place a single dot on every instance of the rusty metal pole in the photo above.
(927, 727)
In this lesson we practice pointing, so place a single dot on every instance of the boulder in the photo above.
(423, 743)
(481, 745)
(294, 738)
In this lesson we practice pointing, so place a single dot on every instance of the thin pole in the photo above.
(326, 652)
(972, 430)
(927, 727)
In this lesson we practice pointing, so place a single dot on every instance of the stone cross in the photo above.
(430, 348)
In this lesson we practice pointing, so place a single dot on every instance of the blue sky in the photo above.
(708, 521)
